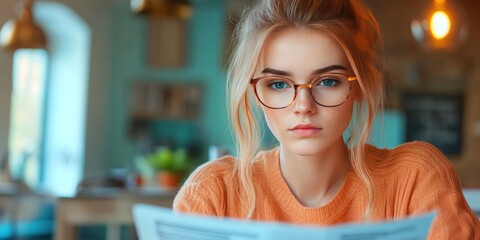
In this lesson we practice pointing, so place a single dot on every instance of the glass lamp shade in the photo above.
(139, 6)
(440, 25)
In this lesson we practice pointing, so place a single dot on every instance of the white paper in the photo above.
(153, 222)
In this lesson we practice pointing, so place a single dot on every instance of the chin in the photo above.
(311, 146)
(308, 148)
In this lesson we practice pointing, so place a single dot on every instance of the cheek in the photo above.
(345, 111)
(355, 94)
(339, 117)
(346, 115)
(273, 119)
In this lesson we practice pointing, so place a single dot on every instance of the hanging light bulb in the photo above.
(440, 25)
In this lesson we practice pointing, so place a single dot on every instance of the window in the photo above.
(49, 100)
(26, 114)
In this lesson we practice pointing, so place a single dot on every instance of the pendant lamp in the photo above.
(440, 25)
(22, 31)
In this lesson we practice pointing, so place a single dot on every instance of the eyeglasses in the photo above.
(327, 90)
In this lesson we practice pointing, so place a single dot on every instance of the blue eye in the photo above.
(328, 82)
(279, 85)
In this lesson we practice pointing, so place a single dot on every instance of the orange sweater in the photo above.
(411, 179)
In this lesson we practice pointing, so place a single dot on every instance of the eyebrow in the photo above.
(328, 69)
(315, 72)
(277, 72)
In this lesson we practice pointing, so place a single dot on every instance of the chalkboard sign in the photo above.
(436, 119)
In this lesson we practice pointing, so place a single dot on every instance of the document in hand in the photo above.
(153, 222)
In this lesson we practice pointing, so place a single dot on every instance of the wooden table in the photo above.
(111, 207)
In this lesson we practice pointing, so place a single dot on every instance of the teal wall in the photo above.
(388, 129)
(207, 31)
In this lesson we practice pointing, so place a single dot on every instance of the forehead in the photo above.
(301, 50)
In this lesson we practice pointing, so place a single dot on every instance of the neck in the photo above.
(315, 179)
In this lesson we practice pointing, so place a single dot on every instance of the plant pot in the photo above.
(169, 179)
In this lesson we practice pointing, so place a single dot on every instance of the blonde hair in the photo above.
(354, 27)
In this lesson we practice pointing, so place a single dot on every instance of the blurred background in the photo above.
(102, 101)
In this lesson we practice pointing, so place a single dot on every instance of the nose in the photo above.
(304, 103)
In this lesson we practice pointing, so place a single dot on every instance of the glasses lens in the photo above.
(330, 90)
(275, 92)
(327, 90)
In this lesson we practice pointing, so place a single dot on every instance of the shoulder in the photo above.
(214, 187)
(203, 191)
(417, 155)
(224, 168)
(213, 170)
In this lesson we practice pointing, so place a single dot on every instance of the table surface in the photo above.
(111, 207)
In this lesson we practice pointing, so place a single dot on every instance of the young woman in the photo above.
(312, 68)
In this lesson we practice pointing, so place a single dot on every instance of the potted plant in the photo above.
(170, 166)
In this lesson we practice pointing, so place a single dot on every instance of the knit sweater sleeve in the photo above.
(437, 188)
(203, 192)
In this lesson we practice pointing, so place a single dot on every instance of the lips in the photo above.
(305, 130)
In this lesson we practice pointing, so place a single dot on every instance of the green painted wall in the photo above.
(207, 31)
